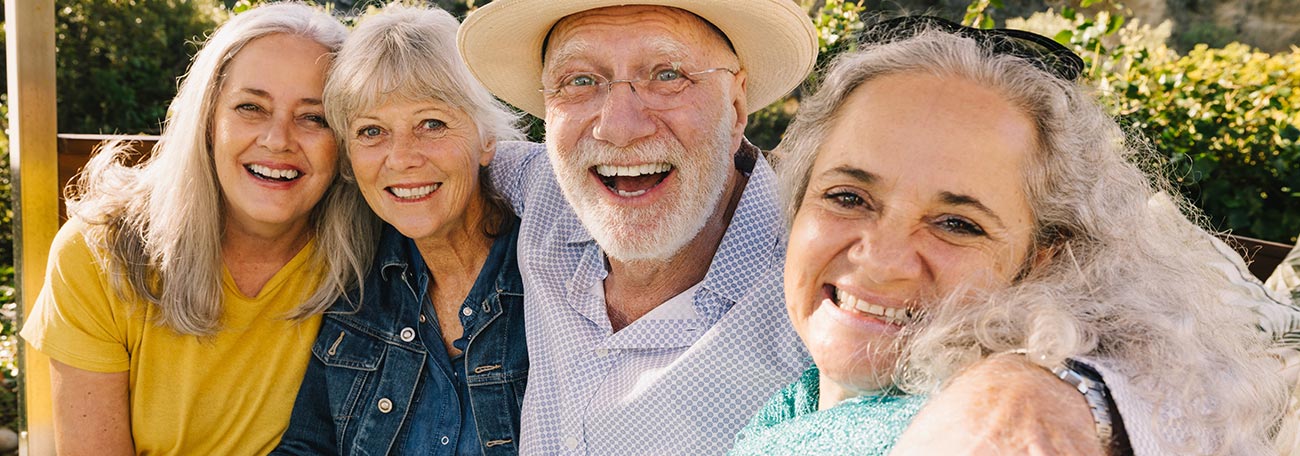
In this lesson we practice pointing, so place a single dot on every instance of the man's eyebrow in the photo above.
(565, 54)
(957, 199)
(576, 49)
(672, 49)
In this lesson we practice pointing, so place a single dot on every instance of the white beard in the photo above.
(651, 233)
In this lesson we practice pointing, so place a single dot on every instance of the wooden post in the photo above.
(29, 29)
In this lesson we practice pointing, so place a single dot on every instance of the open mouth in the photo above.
(848, 302)
(634, 180)
(268, 173)
(413, 193)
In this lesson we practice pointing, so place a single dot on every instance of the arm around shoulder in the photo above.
(1003, 405)
(514, 163)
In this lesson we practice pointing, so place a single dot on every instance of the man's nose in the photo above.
(623, 118)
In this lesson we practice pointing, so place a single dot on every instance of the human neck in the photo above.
(634, 288)
(831, 393)
(254, 256)
(454, 256)
(454, 260)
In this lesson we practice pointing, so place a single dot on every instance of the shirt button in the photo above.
(408, 334)
(467, 311)
(602, 352)
(385, 405)
(445, 440)
(571, 443)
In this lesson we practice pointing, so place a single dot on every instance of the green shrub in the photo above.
(118, 61)
(1227, 120)
(836, 22)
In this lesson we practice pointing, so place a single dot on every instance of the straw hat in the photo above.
(502, 43)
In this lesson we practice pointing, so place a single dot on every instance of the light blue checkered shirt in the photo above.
(679, 385)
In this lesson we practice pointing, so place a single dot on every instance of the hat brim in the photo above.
(502, 43)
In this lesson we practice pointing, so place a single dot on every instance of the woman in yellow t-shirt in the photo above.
(182, 297)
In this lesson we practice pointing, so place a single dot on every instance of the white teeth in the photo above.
(413, 193)
(890, 315)
(266, 171)
(632, 171)
(629, 194)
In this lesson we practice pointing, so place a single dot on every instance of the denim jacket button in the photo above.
(467, 311)
(423, 318)
(385, 405)
(445, 440)
(408, 334)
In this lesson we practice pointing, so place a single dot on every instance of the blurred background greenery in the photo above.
(1213, 85)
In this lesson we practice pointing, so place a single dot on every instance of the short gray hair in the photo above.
(409, 53)
(406, 52)
(1125, 282)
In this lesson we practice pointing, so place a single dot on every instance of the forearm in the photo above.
(1003, 405)
(92, 411)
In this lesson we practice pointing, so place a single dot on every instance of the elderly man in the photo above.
(651, 239)
(652, 254)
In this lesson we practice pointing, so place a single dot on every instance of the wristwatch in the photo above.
(1085, 379)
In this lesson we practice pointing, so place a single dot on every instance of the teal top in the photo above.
(791, 424)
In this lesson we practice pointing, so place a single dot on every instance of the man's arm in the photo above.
(511, 168)
(1003, 405)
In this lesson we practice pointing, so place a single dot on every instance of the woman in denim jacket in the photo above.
(428, 356)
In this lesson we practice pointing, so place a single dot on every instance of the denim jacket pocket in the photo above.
(341, 347)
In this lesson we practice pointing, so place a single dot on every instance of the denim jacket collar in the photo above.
(398, 259)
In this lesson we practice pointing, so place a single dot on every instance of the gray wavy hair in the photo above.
(408, 52)
(161, 222)
(1127, 281)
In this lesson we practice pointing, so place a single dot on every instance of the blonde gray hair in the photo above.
(1124, 281)
(407, 52)
(161, 222)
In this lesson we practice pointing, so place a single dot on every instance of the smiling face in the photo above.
(643, 181)
(917, 192)
(417, 164)
(273, 152)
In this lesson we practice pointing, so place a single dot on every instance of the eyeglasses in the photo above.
(1043, 52)
(658, 90)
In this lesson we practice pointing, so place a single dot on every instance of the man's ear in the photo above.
(740, 103)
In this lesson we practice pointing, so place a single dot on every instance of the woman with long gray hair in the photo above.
(953, 196)
(183, 294)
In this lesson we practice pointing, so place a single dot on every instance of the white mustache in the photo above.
(660, 149)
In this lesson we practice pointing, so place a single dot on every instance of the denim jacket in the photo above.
(370, 369)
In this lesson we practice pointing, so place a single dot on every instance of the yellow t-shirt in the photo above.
(230, 394)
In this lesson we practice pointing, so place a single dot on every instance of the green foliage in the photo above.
(8, 305)
(837, 21)
(1227, 120)
(118, 60)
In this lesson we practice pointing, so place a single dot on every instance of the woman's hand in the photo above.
(92, 412)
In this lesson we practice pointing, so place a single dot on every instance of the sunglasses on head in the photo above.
(1043, 52)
